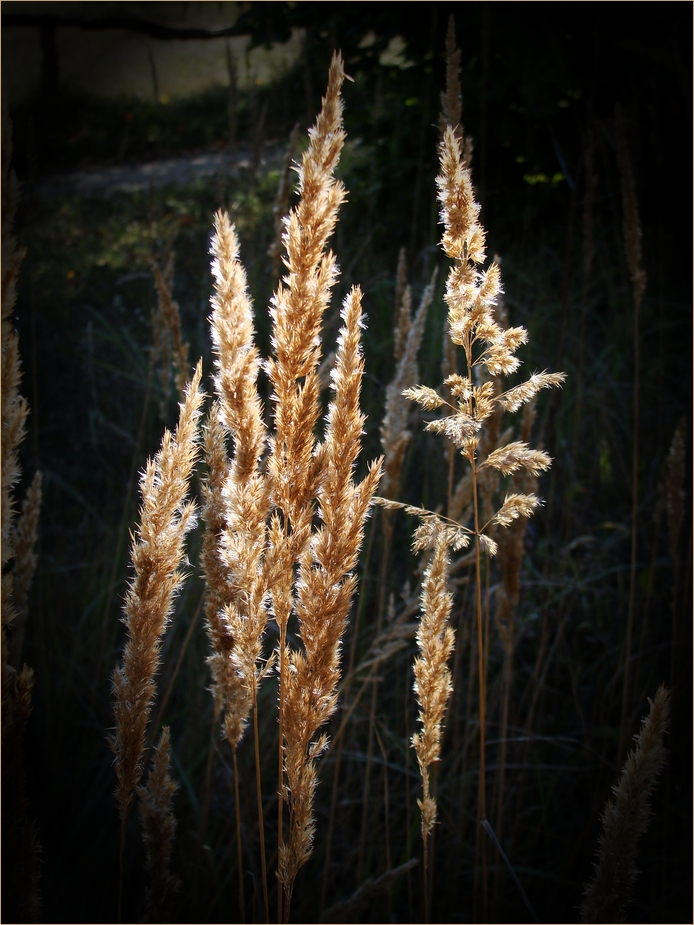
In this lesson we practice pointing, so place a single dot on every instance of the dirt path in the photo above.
(179, 171)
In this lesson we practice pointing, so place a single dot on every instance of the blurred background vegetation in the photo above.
(113, 106)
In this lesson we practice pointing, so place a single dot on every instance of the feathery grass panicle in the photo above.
(394, 431)
(403, 307)
(14, 406)
(166, 326)
(626, 818)
(245, 494)
(231, 696)
(297, 311)
(158, 830)
(281, 205)
(452, 98)
(20, 868)
(296, 462)
(238, 628)
(325, 585)
(157, 556)
(24, 565)
(632, 223)
(472, 298)
(433, 681)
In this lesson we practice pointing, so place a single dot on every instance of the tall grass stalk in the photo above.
(471, 296)
(632, 245)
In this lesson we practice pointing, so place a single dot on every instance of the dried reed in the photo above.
(433, 683)
(261, 543)
(281, 206)
(158, 828)
(674, 502)
(19, 843)
(166, 327)
(471, 296)
(157, 556)
(238, 506)
(626, 819)
(632, 246)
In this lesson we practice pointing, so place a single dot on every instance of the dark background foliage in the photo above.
(536, 79)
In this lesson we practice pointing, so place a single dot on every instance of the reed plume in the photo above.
(325, 585)
(433, 681)
(237, 507)
(626, 818)
(281, 206)
(395, 434)
(169, 346)
(158, 830)
(245, 501)
(262, 546)
(157, 556)
(24, 565)
(20, 846)
(296, 461)
(471, 296)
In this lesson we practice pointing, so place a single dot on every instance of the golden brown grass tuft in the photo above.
(325, 585)
(626, 818)
(264, 553)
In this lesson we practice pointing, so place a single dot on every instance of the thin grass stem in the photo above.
(259, 795)
(239, 851)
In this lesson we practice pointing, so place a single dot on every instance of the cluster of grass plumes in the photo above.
(262, 516)
(554, 597)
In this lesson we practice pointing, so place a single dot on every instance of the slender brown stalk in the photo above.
(632, 244)
(674, 500)
(239, 850)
